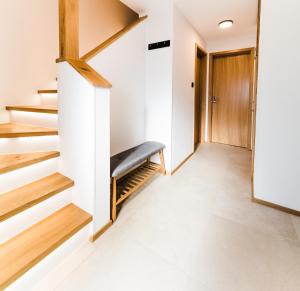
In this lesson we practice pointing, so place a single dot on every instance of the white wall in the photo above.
(100, 19)
(123, 64)
(29, 47)
(84, 142)
(277, 157)
(152, 98)
(29, 43)
(246, 41)
(169, 98)
(142, 80)
(159, 77)
(185, 38)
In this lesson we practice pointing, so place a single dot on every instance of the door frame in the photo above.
(255, 98)
(251, 52)
(201, 94)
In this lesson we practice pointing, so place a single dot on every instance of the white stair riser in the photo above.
(49, 99)
(18, 223)
(47, 274)
(33, 118)
(28, 144)
(29, 174)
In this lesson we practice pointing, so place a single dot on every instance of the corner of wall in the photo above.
(183, 74)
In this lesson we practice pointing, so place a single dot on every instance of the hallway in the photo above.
(197, 230)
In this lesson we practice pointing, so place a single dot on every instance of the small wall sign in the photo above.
(159, 45)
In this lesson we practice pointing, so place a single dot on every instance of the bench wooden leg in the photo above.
(162, 163)
(148, 161)
(114, 200)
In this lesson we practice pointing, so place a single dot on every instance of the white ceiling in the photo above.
(205, 15)
(140, 6)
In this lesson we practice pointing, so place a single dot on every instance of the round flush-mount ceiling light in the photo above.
(225, 24)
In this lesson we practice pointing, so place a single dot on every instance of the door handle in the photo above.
(214, 99)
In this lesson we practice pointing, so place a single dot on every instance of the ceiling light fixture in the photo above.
(225, 24)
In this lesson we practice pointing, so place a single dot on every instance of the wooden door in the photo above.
(231, 100)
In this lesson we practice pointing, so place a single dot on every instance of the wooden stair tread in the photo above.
(35, 108)
(25, 197)
(47, 91)
(12, 130)
(13, 162)
(24, 251)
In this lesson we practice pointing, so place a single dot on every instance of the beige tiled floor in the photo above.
(197, 230)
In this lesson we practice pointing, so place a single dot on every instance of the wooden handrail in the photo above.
(89, 73)
(69, 42)
(111, 40)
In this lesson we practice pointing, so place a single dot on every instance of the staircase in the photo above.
(37, 215)
(38, 218)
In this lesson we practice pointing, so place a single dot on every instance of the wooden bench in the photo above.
(131, 169)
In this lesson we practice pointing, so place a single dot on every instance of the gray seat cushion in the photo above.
(123, 162)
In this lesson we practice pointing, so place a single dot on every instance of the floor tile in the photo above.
(197, 230)
(125, 265)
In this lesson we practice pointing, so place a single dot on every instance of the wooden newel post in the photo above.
(69, 29)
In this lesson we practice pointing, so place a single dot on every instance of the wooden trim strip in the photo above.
(34, 109)
(114, 199)
(89, 73)
(254, 106)
(251, 98)
(47, 91)
(276, 206)
(13, 130)
(153, 168)
(131, 183)
(200, 92)
(127, 188)
(12, 162)
(181, 164)
(111, 40)
(101, 231)
(133, 178)
(209, 99)
(142, 174)
(232, 52)
(137, 178)
(162, 167)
